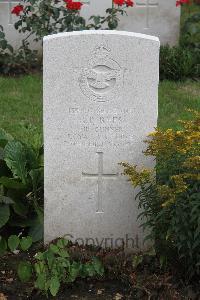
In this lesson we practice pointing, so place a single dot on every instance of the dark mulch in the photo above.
(121, 281)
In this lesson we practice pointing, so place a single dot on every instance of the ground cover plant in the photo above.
(21, 189)
(183, 61)
(170, 200)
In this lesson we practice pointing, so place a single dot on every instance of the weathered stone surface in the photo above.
(160, 18)
(100, 102)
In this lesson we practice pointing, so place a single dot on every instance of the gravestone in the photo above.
(7, 20)
(100, 102)
(155, 17)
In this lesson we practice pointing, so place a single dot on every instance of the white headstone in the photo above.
(160, 18)
(100, 102)
(7, 20)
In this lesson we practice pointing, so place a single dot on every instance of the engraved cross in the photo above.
(147, 4)
(100, 176)
(10, 5)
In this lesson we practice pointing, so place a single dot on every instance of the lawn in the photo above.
(21, 103)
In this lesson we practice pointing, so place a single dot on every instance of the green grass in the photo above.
(174, 100)
(21, 103)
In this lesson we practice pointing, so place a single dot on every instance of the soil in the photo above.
(121, 282)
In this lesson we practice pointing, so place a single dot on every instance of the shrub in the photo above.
(178, 63)
(171, 201)
(52, 16)
(54, 267)
(21, 187)
(190, 33)
(22, 60)
(39, 18)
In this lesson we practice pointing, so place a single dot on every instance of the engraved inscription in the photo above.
(10, 5)
(100, 176)
(103, 76)
(100, 128)
(147, 4)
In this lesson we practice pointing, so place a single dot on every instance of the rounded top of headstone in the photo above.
(101, 32)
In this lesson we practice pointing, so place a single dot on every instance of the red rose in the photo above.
(119, 2)
(73, 5)
(17, 9)
(129, 3)
(181, 2)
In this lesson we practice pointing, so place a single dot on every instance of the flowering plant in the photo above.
(170, 201)
(52, 16)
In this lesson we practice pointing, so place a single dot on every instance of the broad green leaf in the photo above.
(19, 208)
(15, 157)
(26, 243)
(89, 269)
(36, 230)
(39, 256)
(13, 242)
(62, 243)
(40, 267)
(6, 200)
(4, 137)
(24, 271)
(11, 183)
(54, 286)
(40, 282)
(98, 266)
(3, 246)
(31, 157)
(73, 271)
(64, 253)
(36, 177)
(54, 248)
(4, 214)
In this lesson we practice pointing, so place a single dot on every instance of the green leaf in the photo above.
(137, 260)
(40, 282)
(3, 44)
(10, 48)
(26, 243)
(64, 253)
(54, 286)
(6, 200)
(3, 246)
(4, 214)
(24, 271)
(89, 269)
(54, 248)
(19, 208)
(4, 137)
(13, 242)
(62, 243)
(39, 256)
(11, 183)
(2, 35)
(73, 271)
(36, 230)
(98, 266)
(15, 157)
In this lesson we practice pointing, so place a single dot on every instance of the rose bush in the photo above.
(37, 18)
(41, 18)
